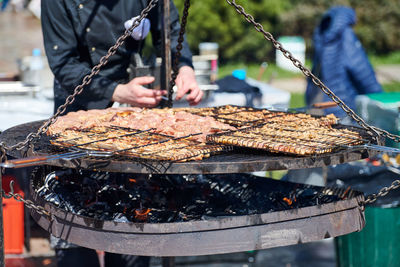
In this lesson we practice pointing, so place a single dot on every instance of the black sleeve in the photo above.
(61, 45)
(155, 17)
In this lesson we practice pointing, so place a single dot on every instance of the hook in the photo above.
(11, 187)
(9, 194)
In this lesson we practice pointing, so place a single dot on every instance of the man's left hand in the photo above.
(186, 83)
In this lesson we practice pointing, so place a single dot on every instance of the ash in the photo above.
(173, 198)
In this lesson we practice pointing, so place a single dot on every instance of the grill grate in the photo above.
(246, 116)
(147, 143)
(289, 140)
(273, 131)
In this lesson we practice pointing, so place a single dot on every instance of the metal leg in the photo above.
(168, 262)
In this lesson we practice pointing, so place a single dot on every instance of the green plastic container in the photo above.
(387, 98)
(377, 245)
(381, 110)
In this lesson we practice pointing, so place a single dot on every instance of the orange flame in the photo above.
(288, 201)
(142, 214)
(132, 180)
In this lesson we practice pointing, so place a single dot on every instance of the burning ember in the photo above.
(172, 198)
(142, 215)
(288, 201)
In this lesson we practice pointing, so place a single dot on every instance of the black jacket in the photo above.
(78, 33)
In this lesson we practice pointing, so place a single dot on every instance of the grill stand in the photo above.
(166, 68)
(165, 78)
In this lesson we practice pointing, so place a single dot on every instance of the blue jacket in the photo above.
(340, 61)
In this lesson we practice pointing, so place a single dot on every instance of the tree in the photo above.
(217, 21)
(377, 24)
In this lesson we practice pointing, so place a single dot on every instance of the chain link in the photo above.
(383, 192)
(268, 36)
(3, 157)
(61, 109)
(371, 129)
(179, 47)
(28, 203)
(86, 81)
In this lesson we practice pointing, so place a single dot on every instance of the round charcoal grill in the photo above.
(227, 162)
(208, 236)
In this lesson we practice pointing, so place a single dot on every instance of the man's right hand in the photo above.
(135, 94)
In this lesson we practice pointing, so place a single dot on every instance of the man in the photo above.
(76, 35)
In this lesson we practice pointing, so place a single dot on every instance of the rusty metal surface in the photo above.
(224, 163)
(208, 242)
(212, 236)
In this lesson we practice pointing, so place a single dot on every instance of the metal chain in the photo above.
(61, 109)
(179, 47)
(3, 157)
(104, 60)
(268, 36)
(383, 192)
(86, 81)
(28, 203)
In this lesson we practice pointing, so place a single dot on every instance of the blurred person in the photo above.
(76, 35)
(340, 61)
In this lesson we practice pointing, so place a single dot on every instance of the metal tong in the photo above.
(376, 148)
(39, 160)
(320, 105)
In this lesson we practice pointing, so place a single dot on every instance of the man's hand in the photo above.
(186, 83)
(135, 94)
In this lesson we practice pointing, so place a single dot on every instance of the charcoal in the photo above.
(173, 198)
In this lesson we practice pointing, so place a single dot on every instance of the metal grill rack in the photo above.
(288, 140)
(236, 161)
(271, 131)
(239, 116)
(146, 144)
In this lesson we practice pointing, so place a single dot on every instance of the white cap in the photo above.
(141, 31)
